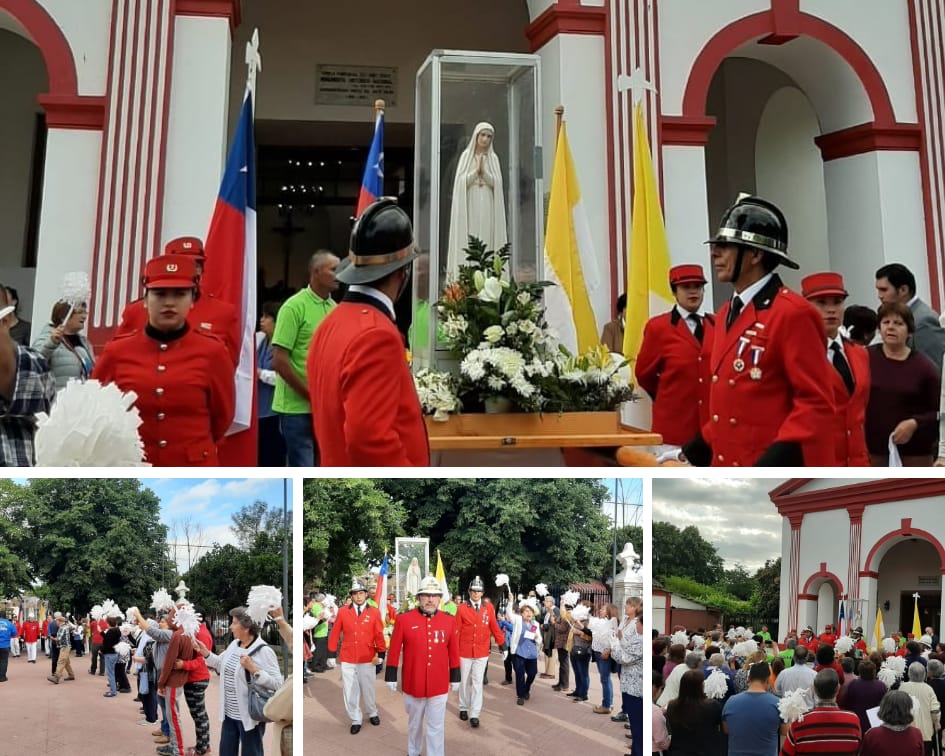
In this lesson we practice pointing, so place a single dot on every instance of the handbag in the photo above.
(258, 695)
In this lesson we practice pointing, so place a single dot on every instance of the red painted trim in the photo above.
(228, 9)
(824, 574)
(612, 190)
(905, 531)
(869, 574)
(796, 521)
(789, 486)
(165, 86)
(52, 44)
(686, 130)
(784, 22)
(760, 25)
(806, 597)
(563, 20)
(73, 111)
(871, 492)
(868, 137)
(144, 134)
(856, 512)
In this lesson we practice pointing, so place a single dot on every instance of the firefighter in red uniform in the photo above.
(769, 401)
(360, 628)
(858, 643)
(430, 646)
(850, 378)
(31, 637)
(673, 364)
(828, 636)
(364, 405)
(208, 313)
(186, 401)
(475, 625)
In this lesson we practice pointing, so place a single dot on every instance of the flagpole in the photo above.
(559, 119)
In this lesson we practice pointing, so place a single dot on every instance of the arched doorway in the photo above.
(819, 602)
(911, 566)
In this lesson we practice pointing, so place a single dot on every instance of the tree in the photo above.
(348, 525)
(92, 539)
(632, 534)
(684, 553)
(254, 519)
(535, 530)
(738, 581)
(15, 572)
(188, 537)
(766, 600)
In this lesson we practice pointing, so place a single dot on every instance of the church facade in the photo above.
(120, 113)
(871, 544)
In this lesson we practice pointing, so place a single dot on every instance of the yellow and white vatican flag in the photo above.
(879, 629)
(569, 257)
(648, 291)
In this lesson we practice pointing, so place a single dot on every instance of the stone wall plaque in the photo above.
(343, 84)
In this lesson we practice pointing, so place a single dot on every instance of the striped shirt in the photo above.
(231, 669)
(827, 729)
(34, 389)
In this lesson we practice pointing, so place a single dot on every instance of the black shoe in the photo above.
(474, 722)
(557, 687)
(527, 696)
(621, 717)
(485, 682)
(520, 701)
(570, 695)
(355, 729)
(375, 720)
(626, 727)
(463, 715)
(506, 682)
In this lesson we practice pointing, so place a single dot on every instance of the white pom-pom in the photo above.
(744, 649)
(581, 612)
(123, 648)
(896, 663)
(740, 632)
(96, 612)
(844, 644)
(186, 618)
(75, 288)
(262, 599)
(730, 635)
(111, 609)
(679, 638)
(697, 641)
(570, 598)
(130, 614)
(330, 601)
(888, 677)
(793, 706)
(126, 627)
(889, 646)
(501, 579)
(541, 589)
(161, 600)
(308, 622)
(716, 684)
(90, 425)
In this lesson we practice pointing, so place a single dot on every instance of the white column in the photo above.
(941, 609)
(869, 587)
(684, 205)
(875, 216)
(70, 207)
(197, 128)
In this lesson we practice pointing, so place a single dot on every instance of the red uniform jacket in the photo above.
(208, 314)
(364, 405)
(30, 631)
(769, 397)
(185, 399)
(673, 368)
(363, 636)
(849, 422)
(431, 653)
(474, 629)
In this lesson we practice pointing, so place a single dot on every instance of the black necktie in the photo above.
(698, 331)
(842, 366)
(734, 311)
(359, 611)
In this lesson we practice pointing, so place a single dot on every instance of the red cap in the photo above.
(686, 274)
(170, 272)
(185, 245)
(826, 284)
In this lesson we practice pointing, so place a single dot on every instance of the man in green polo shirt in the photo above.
(298, 317)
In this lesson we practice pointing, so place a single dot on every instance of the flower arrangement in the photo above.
(496, 329)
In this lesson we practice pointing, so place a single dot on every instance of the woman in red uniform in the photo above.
(185, 399)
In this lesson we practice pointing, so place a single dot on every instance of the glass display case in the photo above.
(477, 172)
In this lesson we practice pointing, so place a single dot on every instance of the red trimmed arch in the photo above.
(905, 531)
(52, 44)
(766, 24)
(823, 574)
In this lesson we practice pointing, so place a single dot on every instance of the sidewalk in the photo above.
(74, 718)
(548, 722)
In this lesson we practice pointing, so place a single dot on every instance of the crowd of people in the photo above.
(432, 648)
(741, 692)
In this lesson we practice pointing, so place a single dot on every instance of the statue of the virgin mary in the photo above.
(478, 207)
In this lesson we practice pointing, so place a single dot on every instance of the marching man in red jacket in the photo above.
(362, 631)
(475, 624)
(31, 637)
(430, 647)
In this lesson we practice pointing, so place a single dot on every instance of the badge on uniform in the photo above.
(739, 364)
(755, 372)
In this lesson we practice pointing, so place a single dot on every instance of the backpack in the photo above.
(258, 695)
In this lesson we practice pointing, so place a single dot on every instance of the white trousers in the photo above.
(434, 710)
(357, 680)
(14, 646)
(470, 684)
(31, 651)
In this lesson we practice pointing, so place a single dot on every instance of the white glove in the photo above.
(505, 655)
(673, 455)
(392, 687)
(454, 686)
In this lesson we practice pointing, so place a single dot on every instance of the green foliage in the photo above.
(339, 515)
(708, 595)
(633, 534)
(14, 536)
(738, 582)
(766, 597)
(684, 553)
(254, 520)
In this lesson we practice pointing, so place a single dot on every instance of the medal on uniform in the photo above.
(755, 372)
(739, 364)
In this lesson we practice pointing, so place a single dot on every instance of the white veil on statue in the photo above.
(478, 205)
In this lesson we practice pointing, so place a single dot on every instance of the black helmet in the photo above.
(381, 242)
(754, 222)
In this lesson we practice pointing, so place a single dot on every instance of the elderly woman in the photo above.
(523, 647)
(928, 713)
(247, 655)
(865, 692)
(181, 375)
(627, 651)
(904, 394)
(896, 735)
(68, 353)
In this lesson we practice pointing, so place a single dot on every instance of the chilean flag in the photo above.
(380, 593)
(372, 185)
(231, 275)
